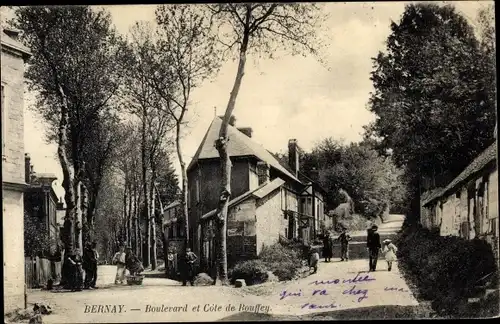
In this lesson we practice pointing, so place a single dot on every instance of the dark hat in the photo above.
(374, 227)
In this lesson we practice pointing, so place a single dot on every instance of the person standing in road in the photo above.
(90, 257)
(189, 267)
(77, 271)
(327, 247)
(373, 245)
(119, 260)
(344, 239)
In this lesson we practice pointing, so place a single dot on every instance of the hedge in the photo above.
(445, 269)
(282, 260)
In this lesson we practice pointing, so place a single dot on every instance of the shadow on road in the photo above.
(372, 313)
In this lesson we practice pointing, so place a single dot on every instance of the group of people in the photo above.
(82, 270)
(374, 247)
(125, 259)
(328, 246)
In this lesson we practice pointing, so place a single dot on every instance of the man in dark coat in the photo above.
(90, 257)
(373, 244)
(327, 247)
(189, 260)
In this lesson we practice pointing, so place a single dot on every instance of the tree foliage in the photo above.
(372, 181)
(36, 237)
(433, 108)
(74, 73)
(262, 29)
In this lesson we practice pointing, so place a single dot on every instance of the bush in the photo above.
(252, 271)
(445, 269)
(283, 260)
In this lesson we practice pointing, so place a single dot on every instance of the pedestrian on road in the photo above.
(373, 245)
(389, 253)
(133, 264)
(90, 257)
(119, 260)
(344, 239)
(75, 260)
(328, 247)
(189, 267)
(313, 259)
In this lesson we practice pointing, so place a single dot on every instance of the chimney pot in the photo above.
(27, 168)
(248, 131)
(293, 156)
(263, 172)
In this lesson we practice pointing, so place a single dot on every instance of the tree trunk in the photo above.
(147, 238)
(78, 214)
(221, 146)
(129, 214)
(153, 227)
(125, 216)
(136, 221)
(92, 204)
(67, 184)
(184, 185)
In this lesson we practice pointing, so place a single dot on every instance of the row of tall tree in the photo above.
(98, 90)
(435, 93)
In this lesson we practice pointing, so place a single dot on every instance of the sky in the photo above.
(289, 97)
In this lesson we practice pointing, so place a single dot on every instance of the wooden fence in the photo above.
(39, 270)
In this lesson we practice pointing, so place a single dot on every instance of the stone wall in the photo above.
(13, 172)
(13, 256)
(13, 110)
(270, 220)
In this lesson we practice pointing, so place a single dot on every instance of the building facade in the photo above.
(468, 205)
(41, 203)
(14, 55)
(268, 200)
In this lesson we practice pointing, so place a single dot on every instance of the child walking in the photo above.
(313, 259)
(389, 253)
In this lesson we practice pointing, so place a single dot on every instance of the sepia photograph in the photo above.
(249, 161)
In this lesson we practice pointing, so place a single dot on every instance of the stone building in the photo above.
(468, 205)
(270, 201)
(14, 55)
(40, 202)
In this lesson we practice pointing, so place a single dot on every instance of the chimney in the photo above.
(246, 130)
(293, 156)
(263, 172)
(232, 119)
(27, 168)
(32, 173)
(60, 204)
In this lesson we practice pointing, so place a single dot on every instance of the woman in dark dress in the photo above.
(327, 248)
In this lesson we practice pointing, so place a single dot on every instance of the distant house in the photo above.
(173, 227)
(40, 201)
(468, 205)
(14, 55)
(268, 200)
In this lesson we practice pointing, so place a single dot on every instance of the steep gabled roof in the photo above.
(239, 145)
(258, 193)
